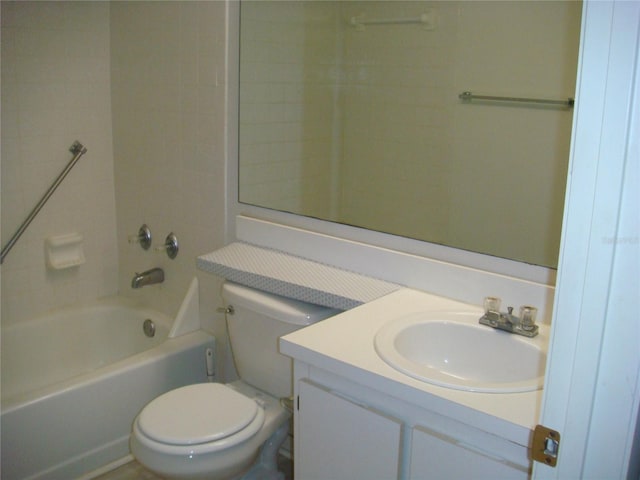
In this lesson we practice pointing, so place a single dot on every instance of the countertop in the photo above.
(343, 345)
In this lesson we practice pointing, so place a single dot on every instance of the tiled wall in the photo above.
(142, 85)
(56, 89)
(168, 115)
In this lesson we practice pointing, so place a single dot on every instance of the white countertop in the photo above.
(343, 345)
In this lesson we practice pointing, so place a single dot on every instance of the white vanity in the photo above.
(356, 417)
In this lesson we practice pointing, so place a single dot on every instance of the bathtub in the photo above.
(73, 381)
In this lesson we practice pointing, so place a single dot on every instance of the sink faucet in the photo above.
(522, 325)
(155, 275)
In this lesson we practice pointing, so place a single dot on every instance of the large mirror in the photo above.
(354, 112)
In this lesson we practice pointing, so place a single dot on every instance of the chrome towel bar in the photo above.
(427, 19)
(78, 150)
(468, 96)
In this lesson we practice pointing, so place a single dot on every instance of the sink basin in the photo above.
(450, 349)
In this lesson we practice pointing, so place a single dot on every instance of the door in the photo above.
(594, 364)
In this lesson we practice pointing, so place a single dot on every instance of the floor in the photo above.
(135, 471)
(129, 471)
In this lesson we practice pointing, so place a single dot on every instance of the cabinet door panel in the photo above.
(436, 456)
(339, 439)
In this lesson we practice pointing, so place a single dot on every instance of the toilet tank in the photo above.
(259, 319)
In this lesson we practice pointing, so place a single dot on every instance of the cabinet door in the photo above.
(436, 456)
(341, 440)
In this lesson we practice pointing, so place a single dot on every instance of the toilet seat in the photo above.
(199, 419)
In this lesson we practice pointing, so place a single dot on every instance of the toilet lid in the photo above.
(196, 414)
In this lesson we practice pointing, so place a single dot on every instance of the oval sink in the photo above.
(452, 350)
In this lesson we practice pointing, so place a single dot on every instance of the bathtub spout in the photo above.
(155, 275)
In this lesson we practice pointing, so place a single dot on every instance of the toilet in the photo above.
(228, 431)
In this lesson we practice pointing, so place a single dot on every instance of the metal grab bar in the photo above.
(468, 96)
(78, 150)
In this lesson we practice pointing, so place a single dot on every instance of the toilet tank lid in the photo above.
(281, 308)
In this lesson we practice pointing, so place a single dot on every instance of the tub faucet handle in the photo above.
(170, 246)
(143, 237)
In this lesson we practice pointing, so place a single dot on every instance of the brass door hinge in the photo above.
(545, 445)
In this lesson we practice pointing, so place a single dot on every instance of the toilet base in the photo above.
(266, 466)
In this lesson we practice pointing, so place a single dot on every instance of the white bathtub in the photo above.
(73, 381)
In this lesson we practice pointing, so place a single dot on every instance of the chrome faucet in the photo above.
(155, 275)
(522, 325)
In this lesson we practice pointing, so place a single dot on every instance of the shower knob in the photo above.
(170, 246)
(143, 237)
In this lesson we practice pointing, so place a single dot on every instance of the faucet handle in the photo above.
(143, 237)
(492, 304)
(528, 317)
(170, 246)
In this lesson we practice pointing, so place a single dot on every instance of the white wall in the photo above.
(168, 116)
(55, 89)
(153, 70)
(168, 90)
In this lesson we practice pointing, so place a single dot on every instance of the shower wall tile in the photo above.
(55, 89)
(167, 84)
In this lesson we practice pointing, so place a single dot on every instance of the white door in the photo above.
(592, 387)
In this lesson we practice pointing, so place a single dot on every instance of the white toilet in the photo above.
(217, 431)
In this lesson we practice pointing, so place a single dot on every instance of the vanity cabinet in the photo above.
(343, 434)
(438, 456)
(339, 439)
(360, 418)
